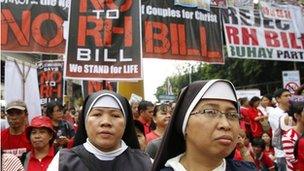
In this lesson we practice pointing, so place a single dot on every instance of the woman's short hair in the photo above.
(50, 108)
(253, 100)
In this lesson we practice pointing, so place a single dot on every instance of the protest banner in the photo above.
(276, 11)
(50, 79)
(250, 36)
(175, 32)
(104, 41)
(89, 87)
(33, 26)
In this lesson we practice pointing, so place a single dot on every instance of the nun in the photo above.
(203, 131)
(106, 138)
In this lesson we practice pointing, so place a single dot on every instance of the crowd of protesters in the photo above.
(268, 130)
(274, 126)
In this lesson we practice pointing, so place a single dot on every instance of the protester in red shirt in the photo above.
(261, 160)
(161, 116)
(145, 109)
(269, 150)
(255, 116)
(13, 139)
(41, 134)
(244, 121)
(243, 149)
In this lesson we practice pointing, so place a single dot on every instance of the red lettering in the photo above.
(50, 83)
(30, 28)
(203, 41)
(182, 39)
(94, 32)
(293, 40)
(56, 91)
(97, 4)
(37, 34)
(161, 37)
(49, 91)
(272, 39)
(232, 34)
(21, 34)
(48, 76)
(43, 77)
(157, 41)
(44, 91)
(56, 76)
(94, 86)
(109, 30)
(126, 31)
(204, 51)
(249, 36)
(284, 40)
(174, 39)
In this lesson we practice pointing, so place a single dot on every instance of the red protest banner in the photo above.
(175, 32)
(90, 87)
(250, 36)
(104, 41)
(32, 26)
(50, 78)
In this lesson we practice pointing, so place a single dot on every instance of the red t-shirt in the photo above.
(35, 164)
(263, 161)
(244, 122)
(146, 125)
(14, 144)
(244, 113)
(300, 163)
(256, 126)
(237, 155)
(269, 152)
(151, 136)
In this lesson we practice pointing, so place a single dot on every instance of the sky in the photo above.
(156, 71)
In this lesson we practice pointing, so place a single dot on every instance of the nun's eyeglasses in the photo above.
(214, 113)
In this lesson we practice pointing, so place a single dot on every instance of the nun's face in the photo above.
(211, 134)
(105, 128)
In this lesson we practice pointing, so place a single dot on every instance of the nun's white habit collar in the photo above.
(177, 166)
(106, 156)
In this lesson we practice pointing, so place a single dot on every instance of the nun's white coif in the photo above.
(214, 89)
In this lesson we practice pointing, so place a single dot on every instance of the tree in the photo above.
(243, 73)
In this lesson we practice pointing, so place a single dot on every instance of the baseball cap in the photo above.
(40, 122)
(17, 104)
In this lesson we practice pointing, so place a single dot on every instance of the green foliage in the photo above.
(243, 73)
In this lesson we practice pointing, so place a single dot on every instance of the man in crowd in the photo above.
(282, 97)
(13, 139)
(145, 109)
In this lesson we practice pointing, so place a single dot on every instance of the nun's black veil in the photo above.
(173, 142)
(129, 136)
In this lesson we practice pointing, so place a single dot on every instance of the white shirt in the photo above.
(274, 120)
(175, 164)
